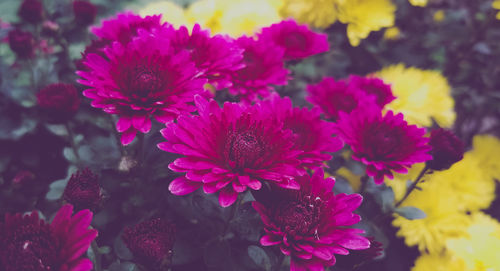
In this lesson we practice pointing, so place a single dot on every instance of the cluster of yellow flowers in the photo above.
(496, 5)
(238, 17)
(455, 234)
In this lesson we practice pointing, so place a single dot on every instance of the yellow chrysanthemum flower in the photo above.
(486, 150)
(443, 220)
(365, 16)
(234, 17)
(420, 3)
(317, 13)
(422, 95)
(470, 186)
(400, 181)
(480, 249)
(438, 262)
(496, 5)
(392, 33)
(170, 12)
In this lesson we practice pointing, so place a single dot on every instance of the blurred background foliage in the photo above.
(459, 38)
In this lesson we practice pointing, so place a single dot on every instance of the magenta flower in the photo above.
(373, 86)
(383, 143)
(84, 11)
(21, 43)
(336, 96)
(216, 58)
(125, 26)
(311, 224)
(29, 243)
(83, 190)
(263, 66)
(59, 101)
(151, 242)
(298, 41)
(447, 149)
(229, 149)
(312, 136)
(143, 79)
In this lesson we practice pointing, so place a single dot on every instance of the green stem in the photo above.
(278, 265)
(95, 248)
(412, 187)
(71, 138)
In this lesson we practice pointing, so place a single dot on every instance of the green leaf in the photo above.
(411, 213)
(124, 266)
(260, 257)
(121, 249)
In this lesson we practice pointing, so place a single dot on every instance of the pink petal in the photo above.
(267, 241)
(182, 186)
(227, 197)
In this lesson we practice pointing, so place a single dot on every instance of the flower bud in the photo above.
(447, 149)
(83, 191)
(84, 11)
(31, 11)
(21, 43)
(151, 243)
(59, 101)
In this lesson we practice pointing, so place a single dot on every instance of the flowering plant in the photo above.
(249, 135)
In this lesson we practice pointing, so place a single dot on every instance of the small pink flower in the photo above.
(216, 58)
(298, 41)
(143, 79)
(336, 96)
(29, 243)
(311, 224)
(125, 26)
(264, 67)
(373, 86)
(151, 242)
(384, 143)
(230, 149)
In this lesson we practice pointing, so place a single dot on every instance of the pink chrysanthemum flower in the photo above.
(312, 135)
(143, 79)
(125, 26)
(29, 243)
(215, 57)
(373, 86)
(298, 41)
(264, 66)
(311, 224)
(229, 149)
(384, 143)
(336, 96)
(151, 242)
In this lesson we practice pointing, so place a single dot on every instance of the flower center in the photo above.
(383, 141)
(244, 149)
(344, 103)
(146, 81)
(295, 41)
(31, 247)
(299, 217)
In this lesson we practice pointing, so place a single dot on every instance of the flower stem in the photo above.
(71, 138)
(412, 187)
(95, 249)
(278, 265)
